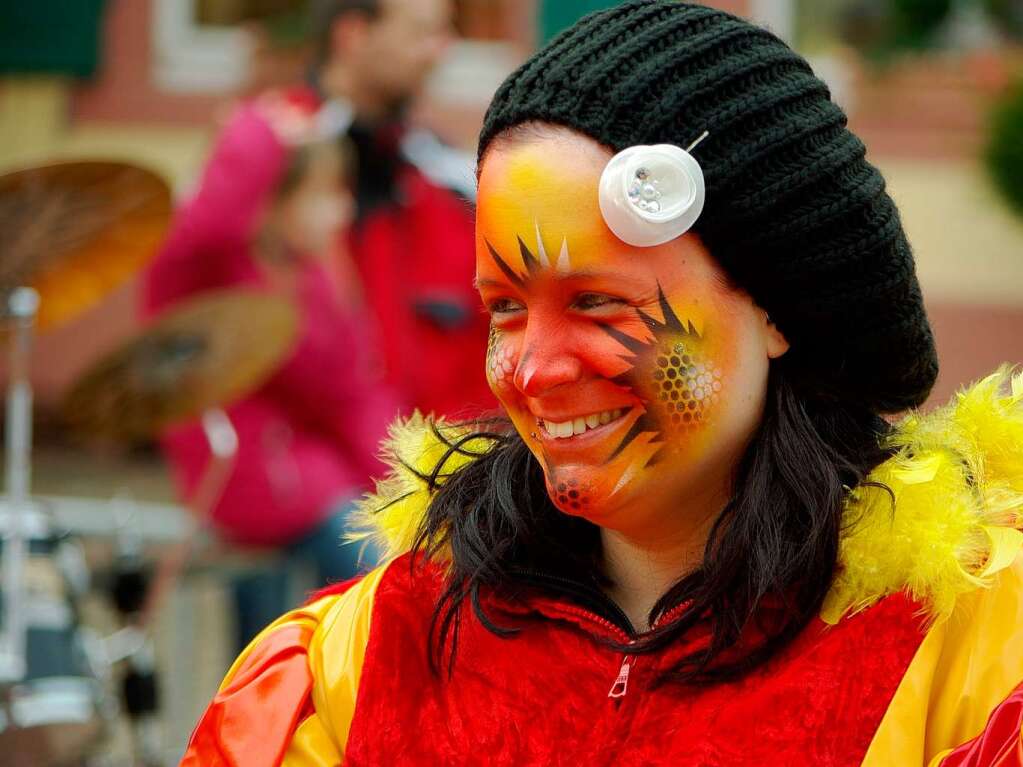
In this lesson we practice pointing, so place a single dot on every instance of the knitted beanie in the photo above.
(793, 212)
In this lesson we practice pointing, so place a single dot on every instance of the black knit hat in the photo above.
(794, 213)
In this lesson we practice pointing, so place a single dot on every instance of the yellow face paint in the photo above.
(508, 216)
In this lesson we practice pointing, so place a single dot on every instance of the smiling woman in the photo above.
(605, 331)
(690, 538)
(630, 410)
(640, 380)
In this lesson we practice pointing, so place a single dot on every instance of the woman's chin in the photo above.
(577, 486)
(584, 491)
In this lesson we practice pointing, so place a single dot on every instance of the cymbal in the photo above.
(74, 231)
(204, 353)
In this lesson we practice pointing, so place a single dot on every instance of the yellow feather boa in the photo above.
(391, 516)
(956, 479)
(957, 482)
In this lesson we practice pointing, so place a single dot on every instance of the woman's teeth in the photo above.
(564, 429)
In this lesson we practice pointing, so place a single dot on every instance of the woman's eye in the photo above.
(504, 306)
(588, 301)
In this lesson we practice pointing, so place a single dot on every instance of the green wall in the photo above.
(54, 36)
(556, 15)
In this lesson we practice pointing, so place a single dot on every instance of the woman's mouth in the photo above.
(581, 424)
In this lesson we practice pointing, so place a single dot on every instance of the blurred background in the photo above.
(124, 114)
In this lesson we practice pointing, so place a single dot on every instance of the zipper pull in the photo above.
(621, 683)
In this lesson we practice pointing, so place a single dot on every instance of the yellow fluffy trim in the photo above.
(957, 482)
(390, 517)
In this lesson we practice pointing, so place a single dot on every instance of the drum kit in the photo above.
(72, 232)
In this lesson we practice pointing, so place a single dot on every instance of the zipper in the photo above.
(620, 686)
(622, 627)
(596, 606)
(596, 602)
(612, 628)
(671, 613)
(621, 682)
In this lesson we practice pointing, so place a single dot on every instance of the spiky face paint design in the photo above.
(624, 369)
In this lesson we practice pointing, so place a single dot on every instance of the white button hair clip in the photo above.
(650, 195)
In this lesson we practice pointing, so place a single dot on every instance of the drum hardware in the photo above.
(70, 558)
(140, 694)
(137, 590)
(73, 232)
(208, 351)
(33, 516)
(139, 593)
(54, 712)
(130, 583)
(132, 572)
(122, 644)
(223, 443)
(72, 229)
(22, 305)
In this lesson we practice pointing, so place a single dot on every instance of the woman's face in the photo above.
(636, 375)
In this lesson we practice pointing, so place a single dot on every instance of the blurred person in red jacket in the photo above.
(412, 238)
(268, 213)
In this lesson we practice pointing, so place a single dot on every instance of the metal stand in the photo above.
(22, 305)
(133, 643)
(223, 442)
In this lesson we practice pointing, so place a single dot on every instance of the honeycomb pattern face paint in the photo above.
(571, 496)
(500, 360)
(633, 374)
(689, 387)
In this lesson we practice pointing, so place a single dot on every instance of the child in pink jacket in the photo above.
(267, 214)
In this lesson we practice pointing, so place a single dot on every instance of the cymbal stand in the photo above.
(223, 443)
(141, 692)
(22, 306)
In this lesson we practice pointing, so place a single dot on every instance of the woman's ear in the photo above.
(776, 342)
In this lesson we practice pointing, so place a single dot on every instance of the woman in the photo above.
(699, 543)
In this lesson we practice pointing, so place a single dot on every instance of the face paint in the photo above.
(636, 368)
(501, 361)
(674, 374)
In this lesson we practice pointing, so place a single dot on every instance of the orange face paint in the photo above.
(615, 363)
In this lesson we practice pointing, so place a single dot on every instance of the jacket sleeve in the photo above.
(289, 699)
(209, 242)
(999, 745)
(960, 703)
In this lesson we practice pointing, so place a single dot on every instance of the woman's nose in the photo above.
(547, 360)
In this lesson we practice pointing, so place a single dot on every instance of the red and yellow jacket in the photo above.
(916, 660)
